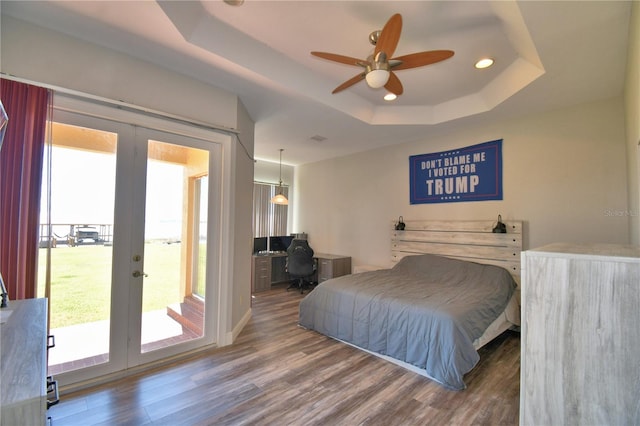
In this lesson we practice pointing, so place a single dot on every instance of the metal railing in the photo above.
(73, 234)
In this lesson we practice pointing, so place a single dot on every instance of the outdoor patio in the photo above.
(86, 345)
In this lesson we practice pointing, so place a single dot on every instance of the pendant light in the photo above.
(279, 198)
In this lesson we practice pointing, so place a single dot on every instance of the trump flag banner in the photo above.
(473, 173)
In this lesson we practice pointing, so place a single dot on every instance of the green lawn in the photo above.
(81, 281)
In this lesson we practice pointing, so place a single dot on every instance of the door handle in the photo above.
(137, 274)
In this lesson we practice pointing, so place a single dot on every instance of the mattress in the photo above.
(427, 311)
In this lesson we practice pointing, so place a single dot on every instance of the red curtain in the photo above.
(21, 159)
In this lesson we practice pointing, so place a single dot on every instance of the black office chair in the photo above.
(300, 264)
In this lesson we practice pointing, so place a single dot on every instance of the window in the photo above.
(268, 218)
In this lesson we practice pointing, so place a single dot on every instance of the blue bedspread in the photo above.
(426, 311)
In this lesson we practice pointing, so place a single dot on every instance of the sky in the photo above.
(83, 188)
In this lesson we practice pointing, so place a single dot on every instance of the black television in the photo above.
(280, 243)
(259, 244)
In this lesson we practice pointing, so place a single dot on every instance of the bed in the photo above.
(452, 289)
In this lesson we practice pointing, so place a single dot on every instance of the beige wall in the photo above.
(632, 107)
(242, 219)
(564, 174)
(40, 55)
(268, 172)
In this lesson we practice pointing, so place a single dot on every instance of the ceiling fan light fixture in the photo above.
(377, 78)
(484, 63)
(390, 97)
(377, 73)
(381, 65)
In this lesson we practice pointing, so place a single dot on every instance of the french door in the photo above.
(133, 240)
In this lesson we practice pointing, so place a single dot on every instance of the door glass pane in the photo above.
(200, 220)
(83, 166)
(175, 241)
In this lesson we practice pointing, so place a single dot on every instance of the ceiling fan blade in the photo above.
(340, 58)
(349, 83)
(420, 59)
(394, 85)
(389, 36)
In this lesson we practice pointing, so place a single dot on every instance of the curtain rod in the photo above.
(135, 108)
(123, 105)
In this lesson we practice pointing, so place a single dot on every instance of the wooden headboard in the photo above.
(467, 240)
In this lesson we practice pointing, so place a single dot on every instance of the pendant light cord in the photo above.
(281, 166)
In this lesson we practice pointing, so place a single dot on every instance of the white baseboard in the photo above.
(233, 335)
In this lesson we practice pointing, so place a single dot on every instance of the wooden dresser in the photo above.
(580, 335)
(23, 363)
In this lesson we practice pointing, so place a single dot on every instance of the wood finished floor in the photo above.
(277, 373)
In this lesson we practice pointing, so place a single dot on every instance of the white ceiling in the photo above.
(548, 55)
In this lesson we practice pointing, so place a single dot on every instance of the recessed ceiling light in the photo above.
(234, 2)
(484, 63)
(390, 97)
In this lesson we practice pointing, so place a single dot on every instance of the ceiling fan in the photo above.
(378, 68)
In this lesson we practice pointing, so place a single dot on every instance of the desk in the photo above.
(269, 269)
